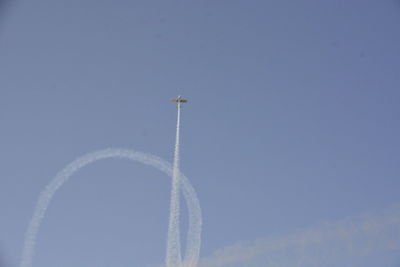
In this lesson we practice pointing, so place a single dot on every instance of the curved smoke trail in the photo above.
(195, 219)
(173, 254)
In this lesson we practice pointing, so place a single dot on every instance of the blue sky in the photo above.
(292, 128)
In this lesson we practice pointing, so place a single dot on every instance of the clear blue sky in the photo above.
(292, 128)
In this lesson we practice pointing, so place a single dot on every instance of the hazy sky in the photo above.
(290, 136)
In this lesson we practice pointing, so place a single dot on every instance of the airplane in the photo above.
(179, 100)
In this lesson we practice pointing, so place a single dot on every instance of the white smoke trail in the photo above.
(173, 255)
(194, 212)
(324, 244)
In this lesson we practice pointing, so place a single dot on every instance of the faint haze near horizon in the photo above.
(347, 242)
(292, 122)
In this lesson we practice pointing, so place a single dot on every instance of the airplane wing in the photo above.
(179, 100)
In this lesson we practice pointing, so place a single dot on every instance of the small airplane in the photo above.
(179, 100)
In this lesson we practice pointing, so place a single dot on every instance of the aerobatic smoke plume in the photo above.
(191, 257)
(179, 182)
(173, 258)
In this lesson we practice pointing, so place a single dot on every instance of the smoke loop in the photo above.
(192, 252)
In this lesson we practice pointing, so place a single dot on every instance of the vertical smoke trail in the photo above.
(173, 257)
(195, 218)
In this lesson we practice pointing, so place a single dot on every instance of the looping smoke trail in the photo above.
(195, 219)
